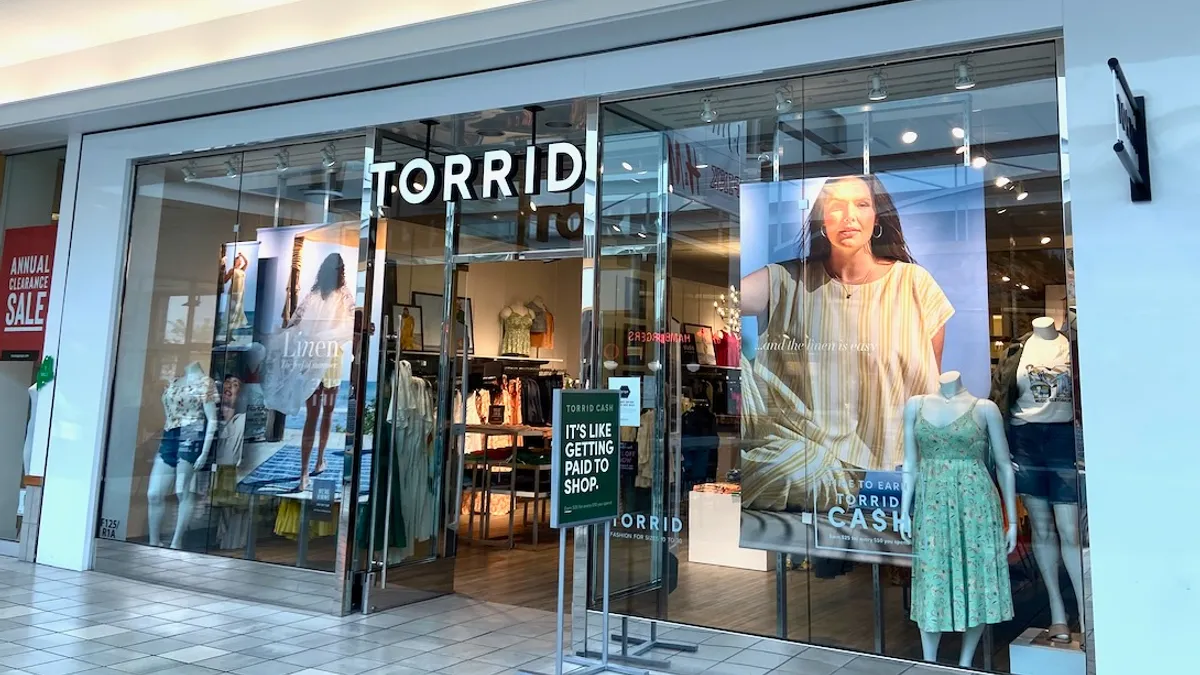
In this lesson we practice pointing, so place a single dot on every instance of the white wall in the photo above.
(1135, 269)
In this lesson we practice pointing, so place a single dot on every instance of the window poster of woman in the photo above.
(847, 324)
(239, 281)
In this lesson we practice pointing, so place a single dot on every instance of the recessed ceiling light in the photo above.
(1024, 287)
(1045, 240)
(418, 186)
(959, 133)
(627, 166)
(1005, 278)
(909, 137)
(979, 162)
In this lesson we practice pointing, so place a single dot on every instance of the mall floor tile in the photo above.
(57, 622)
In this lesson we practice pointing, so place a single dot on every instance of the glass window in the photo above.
(861, 341)
(30, 191)
(229, 418)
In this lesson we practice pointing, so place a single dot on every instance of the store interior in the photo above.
(687, 181)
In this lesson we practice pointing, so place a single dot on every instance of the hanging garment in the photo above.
(230, 441)
(412, 418)
(960, 560)
(706, 354)
(515, 341)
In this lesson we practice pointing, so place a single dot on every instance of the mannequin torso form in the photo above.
(516, 321)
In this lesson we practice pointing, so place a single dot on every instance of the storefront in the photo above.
(30, 193)
(838, 286)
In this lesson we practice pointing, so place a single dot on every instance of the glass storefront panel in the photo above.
(230, 425)
(861, 340)
(30, 193)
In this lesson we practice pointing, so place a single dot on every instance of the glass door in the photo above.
(402, 555)
(637, 355)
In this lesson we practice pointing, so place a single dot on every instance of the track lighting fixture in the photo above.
(959, 133)
(329, 156)
(877, 91)
(979, 161)
(230, 169)
(964, 75)
(1003, 181)
(783, 99)
(189, 172)
(282, 160)
(1022, 195)
(707, 114)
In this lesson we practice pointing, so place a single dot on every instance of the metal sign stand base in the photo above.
(592, 666)
(644, 646)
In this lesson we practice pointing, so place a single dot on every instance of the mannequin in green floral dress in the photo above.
(960, 538)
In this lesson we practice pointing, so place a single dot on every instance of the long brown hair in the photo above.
(889, 245)
(331, 276)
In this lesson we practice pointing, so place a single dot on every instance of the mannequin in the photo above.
(190, 404)
(541, 333)
(33, 398)
(960, 582)
(515, 322)
(1041, 412)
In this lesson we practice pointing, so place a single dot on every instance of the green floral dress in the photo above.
(960, 560)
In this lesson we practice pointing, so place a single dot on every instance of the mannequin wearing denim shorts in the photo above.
(190, 405)
(1042, 433)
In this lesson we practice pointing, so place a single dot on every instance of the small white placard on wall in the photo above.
(631, 399)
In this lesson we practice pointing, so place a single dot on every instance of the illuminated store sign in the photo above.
(467, 178)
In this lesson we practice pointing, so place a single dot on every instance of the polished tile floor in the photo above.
(54, 622)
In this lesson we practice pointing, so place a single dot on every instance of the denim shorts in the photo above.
(1044, 455)
(184, 443)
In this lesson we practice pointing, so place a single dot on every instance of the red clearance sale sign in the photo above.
(25, 264)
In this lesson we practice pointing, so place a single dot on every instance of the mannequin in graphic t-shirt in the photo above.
(190, 406)
(1041, 414)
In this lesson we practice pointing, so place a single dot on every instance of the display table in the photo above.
(1033, 654)
(714, 528)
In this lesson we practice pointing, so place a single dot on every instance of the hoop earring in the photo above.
(819, 233)
(878, 231)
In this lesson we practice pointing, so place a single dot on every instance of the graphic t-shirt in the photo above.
(1044, 382)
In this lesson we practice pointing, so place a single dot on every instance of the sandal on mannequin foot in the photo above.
(1059, 632)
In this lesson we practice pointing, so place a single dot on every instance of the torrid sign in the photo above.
(494, 175)
(25, 264)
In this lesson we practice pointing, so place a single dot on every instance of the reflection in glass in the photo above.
(875, 245)
(229, 424)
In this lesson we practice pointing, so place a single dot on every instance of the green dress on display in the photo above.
(960, 559)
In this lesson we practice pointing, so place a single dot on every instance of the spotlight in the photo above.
(532, 205)
(1045, 240)
(959, 133)
(1021, 193)
(282, 160)
(627, 166)
(230, 169)
(1002, 211)
(707, 114)
(878, 87)
(698, 166)
(909, 137)
(1002, 181)
(1005, 279)
(329, 156)
(960, 150)
(189, 172)
(1024, 287)
(979, 162)
(418, 186)
(964, 75)
(783, 100)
